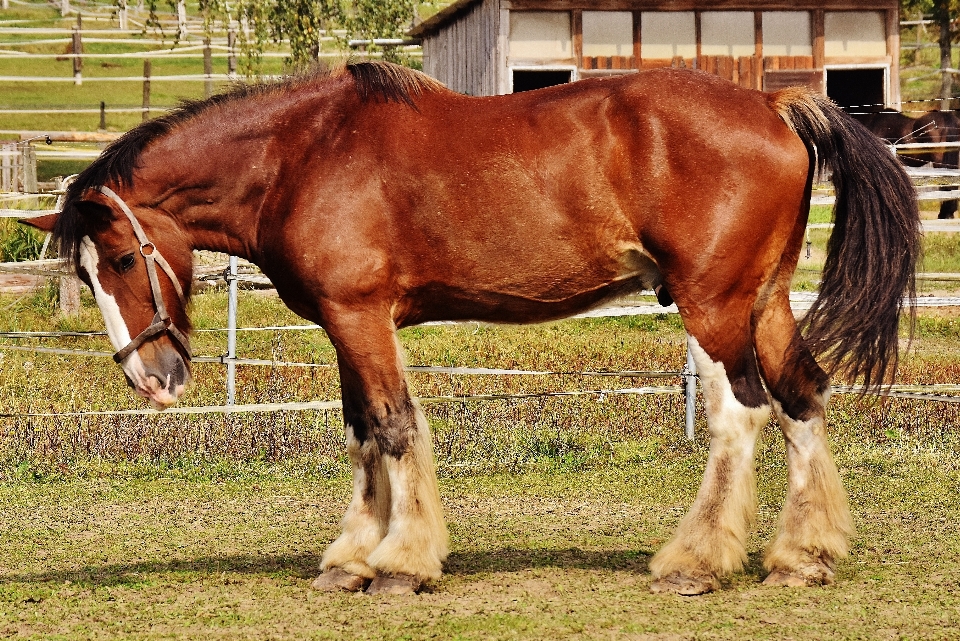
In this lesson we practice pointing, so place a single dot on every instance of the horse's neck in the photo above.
(215, 189)
(223, 168)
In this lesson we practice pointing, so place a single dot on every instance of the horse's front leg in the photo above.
(364, 524)
(393, 532)
(710, 540)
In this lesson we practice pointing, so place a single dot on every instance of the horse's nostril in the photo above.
(129, 381)
(179, 373)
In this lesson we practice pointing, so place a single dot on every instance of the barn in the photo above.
(846, 48)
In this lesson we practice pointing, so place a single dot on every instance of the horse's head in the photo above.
(139, 266)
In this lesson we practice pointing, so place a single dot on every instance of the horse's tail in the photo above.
(870, 269)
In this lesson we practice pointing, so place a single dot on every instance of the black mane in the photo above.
(374, 82)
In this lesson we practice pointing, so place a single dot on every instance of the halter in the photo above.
(151, 255)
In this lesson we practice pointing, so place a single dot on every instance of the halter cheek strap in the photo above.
(151, 256)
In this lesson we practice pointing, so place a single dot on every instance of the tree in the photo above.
(942, 11)
(302, 22)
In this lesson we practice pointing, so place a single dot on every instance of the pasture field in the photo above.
(115, 94)
(212, 527)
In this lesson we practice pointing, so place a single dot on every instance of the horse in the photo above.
(891, 125)
(939, 127)
(930, 127)
(375, 198)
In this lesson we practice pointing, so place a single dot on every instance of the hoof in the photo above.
(395, 584)
(339, 580)
(804, 576)
(685, 584)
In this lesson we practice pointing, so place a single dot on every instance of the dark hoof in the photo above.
(339, 580)
(804, 576)
(685, 584)
(395, 584)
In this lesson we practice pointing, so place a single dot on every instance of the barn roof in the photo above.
(435, 22)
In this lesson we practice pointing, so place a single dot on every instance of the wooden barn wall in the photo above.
(463, 55)
(700, 5)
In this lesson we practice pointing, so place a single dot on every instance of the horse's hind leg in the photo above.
(393, 531)
(710, 539)
(815, 524)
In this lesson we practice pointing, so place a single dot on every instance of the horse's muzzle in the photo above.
(161, 380)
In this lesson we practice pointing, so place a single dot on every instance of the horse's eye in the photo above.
(126, 263)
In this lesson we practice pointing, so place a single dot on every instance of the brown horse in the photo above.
(930, 127)
(374, 198)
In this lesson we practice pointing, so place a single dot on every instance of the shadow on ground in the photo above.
(307, 566)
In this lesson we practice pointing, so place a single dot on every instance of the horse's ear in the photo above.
(95, 205)
(43, 223)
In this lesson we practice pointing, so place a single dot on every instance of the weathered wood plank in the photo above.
(707, 5)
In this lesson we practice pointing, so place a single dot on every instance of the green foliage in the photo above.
(938, 327)
(941, 252)
(371, 19)
(821, 214)
(18, 242)
(302, 23)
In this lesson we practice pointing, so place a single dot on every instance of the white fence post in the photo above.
(231, 278)
(8, 175)
(181, 20)
(29, 164)
(690, 398)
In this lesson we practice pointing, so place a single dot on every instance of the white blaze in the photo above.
(116, 327)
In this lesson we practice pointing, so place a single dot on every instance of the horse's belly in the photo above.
(532, 290)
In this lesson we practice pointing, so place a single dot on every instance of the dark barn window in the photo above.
(528, 80)
(855, 87)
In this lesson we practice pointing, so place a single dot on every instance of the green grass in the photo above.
(207, 527)
(533, 555)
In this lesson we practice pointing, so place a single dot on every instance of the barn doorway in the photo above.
(530, 79)
(864, 86)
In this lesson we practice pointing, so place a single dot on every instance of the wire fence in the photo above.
(931, 392)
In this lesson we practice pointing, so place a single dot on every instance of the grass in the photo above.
(210, 527)
(534, 555)
(941, 254)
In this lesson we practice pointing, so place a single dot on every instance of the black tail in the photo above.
(870, 270)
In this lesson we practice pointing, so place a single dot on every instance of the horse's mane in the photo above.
(374, 82)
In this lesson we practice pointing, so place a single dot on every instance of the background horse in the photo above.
(931, 127)
(374, 198)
